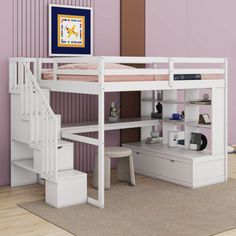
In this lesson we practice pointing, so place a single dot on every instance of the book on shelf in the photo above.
(187, 77)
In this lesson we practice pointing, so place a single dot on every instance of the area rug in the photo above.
(152, 207)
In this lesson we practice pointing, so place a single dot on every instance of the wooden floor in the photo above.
(15, 221)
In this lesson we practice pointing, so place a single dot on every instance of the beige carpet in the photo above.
(152, 207)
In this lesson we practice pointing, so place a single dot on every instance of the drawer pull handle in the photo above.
(172, 160)
(59, 147)
(137, 153)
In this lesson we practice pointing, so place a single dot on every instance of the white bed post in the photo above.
(226, 117)
(101, 111)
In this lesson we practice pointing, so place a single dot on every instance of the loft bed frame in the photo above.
(25, 81)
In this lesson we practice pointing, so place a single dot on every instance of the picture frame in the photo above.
(70, 30)
(204, 119)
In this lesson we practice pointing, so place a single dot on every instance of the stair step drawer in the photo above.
(173, 169)
(65, 156)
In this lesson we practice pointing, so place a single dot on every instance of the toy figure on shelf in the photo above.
(158, 114)
(113, 117)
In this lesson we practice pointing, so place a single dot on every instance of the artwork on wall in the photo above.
(70, 30)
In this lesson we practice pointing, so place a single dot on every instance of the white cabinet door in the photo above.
(143, 163)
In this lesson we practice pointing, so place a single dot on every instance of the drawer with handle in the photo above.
(143, 163)
(173, 169)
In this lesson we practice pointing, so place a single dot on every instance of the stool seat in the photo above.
(117, 152)
(125, 166)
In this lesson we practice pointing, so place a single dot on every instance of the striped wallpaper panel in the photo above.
(30, 30)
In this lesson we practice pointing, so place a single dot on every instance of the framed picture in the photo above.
(204, 119)
(70, 30)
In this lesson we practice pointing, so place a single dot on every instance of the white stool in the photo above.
(125, 166)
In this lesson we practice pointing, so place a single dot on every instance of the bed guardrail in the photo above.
(154, 66)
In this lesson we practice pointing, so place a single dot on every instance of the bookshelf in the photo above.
(179, 164)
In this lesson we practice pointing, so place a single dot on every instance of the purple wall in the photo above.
(195, 28)
(6, 52)
(26, 20)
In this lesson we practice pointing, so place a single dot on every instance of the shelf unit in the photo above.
(170, 105)
(196, 168)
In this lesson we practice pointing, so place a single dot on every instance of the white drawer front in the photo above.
(143, 162)
(173, 169)
(65, 157)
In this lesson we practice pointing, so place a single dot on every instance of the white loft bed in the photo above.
(35, 127)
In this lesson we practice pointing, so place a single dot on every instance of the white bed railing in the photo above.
(36, 109)
(154, 66)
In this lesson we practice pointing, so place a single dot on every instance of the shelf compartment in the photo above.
(151, 100)
(195, 124)
(127, 123)
(176, 122)
(164, 102)
(27, 164)
(173, 102)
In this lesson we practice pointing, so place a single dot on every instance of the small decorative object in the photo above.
(158, 114)
(198, 142)
(155, 134)
(181, 140)
(152, 140)
(159, 108)
(176, 116)
(70, 30)
(205, 96)
(159, 96)
(113, 113)
(204, 119)
(172, 138)
(182, 115)
(175, 138)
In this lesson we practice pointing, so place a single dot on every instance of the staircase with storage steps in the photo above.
(37, 151)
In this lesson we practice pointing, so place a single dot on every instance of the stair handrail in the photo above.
(36, 109)
(49, 134)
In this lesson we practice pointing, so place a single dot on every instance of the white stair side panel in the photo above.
(65, 157)
(20, 176)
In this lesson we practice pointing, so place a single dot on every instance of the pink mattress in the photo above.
(48, 74)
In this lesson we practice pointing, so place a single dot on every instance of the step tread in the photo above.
(64, 143)
(67, 174)
(27, 164)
